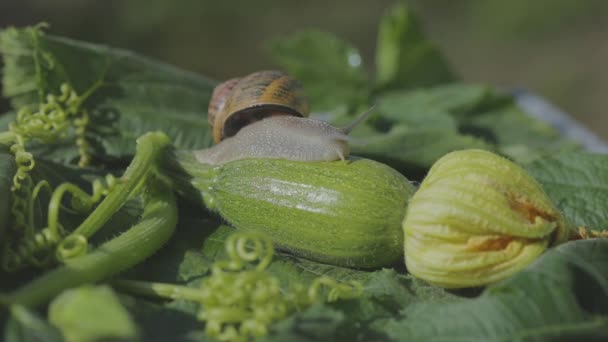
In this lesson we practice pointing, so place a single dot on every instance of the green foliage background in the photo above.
(554, 47)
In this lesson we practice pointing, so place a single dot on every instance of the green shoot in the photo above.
(131, 247)
(49, 123)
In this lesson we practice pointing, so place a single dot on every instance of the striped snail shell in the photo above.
(240, 101)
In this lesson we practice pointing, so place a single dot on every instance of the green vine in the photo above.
(49, 123)
(238, 302)
(157, 224)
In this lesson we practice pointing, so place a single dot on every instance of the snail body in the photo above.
(283, 137)
(263, 116)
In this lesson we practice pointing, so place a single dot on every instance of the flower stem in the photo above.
(155, 289)
(150, 147)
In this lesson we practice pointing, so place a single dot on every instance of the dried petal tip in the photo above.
(476, 219)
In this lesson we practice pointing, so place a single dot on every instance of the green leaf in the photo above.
(386, 292)
(25, 325)
(563, 295)
(166, 322)
(417, 127)
(518, 135)
(413, 150)
(404, 58)
(138, 95)
(330, 69)
(90, 313)
(318, 323)
(578, 184)
(181, 259)
(459, 100)
(361, 319)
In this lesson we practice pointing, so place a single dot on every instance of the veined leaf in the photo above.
(412, 150)
(518, 135)
(578, 184)
(460, 100)
(562, 296)
(330, 69)
(404, 58)
(318, 323)
(137, 95)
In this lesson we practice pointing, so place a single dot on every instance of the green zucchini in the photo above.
(345, 213)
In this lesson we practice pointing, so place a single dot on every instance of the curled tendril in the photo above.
(80, 125)
(50, 122)
(246, 248)
(353, 289)
(42, 185)
(33, 248)
(238, 303)
(72, 246)
(36, 248)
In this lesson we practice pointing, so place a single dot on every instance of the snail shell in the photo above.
(237, 103)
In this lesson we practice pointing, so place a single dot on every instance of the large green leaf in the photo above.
(562, 296)
(459, 100)
(578, 184)
(412, 150)
(361, 319)
(404, 58)
(138, 95)
(417, 127)
(518, 135)
(330, 69)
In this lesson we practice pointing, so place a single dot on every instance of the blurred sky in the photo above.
(558, 48)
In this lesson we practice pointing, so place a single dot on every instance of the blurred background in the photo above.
(557, 48)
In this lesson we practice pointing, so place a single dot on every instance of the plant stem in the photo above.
(155, 289)
(150, 147)
(131, 247)
(193, 175)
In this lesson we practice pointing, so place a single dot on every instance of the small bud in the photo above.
(477, 218)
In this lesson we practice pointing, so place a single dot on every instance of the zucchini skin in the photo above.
(341, 213)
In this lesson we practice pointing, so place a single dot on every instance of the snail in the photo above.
(263, 115)
(347, 214)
